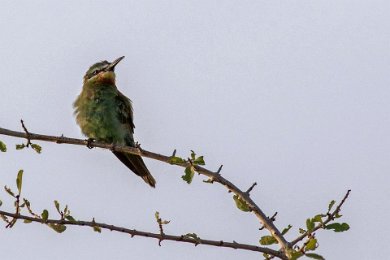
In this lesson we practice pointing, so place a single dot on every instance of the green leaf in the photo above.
(189, 174)
(36, 147)
(19, 180)
(45, 215)
(317, 218)
(286, 229)
(157, 215)
(241, 204)
(3, 147)
(315, 256)
(9, 191)
(176, 160)
(311, 244)
(59, 228)
(20, 146)
(338, 227)
(199, 161)
(193, 154)
(267, 240)
(309, 224)
(295, 255)
(70, 218)
(301, 231)
(57, 205)
(27, 221)
(1, 203)
(97, 229)
(331, 205)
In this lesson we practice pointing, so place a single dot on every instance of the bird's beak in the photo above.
(111, 67)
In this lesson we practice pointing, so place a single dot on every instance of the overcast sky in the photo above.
(291, 94)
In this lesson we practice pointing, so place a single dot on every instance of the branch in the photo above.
(158, 236)
(215, 176)
(331, 216)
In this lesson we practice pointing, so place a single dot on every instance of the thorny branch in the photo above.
(158, 236)
(215, 176)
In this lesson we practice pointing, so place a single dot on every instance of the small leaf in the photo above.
(19, 180)
(70, 218)
(3, 147)
(176, 160)
(97, 229)
(301, 231)
(36, 147)
(157, 215)
(295, 255)
(58, 227)
(45, 215)
(315, 256)
(193, 154)
(331, 205)
(338, 227)
(311, 244)
(20, 146)
(199, 161)
(286, 229)
(267, 240)
(193, 236)
(57, 205)
(241, 204)
(309, 224)
(189, 174)
(9, 191)
(27, 221)
(317, 218)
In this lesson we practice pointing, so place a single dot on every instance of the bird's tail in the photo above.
(137, 165)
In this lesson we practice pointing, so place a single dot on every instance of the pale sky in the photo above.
(291, 94)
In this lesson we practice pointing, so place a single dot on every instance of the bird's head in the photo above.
(102, 72)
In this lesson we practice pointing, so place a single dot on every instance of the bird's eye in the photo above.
(95, 72)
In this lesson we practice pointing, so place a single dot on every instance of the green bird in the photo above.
(104, 114)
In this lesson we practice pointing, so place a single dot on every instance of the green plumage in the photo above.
(105, 114)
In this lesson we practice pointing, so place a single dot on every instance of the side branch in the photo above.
(215, 176)
(157, 236)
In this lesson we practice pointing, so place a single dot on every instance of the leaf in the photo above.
(311, 244)
(286, 229)
(157, 215)
(317, 218)
(176, 160)
(57, 205)
(19, 180)
(70, 218)
(9, 191)
(27, 221)
(97, 229)
(1, 203)
(3, 147)
(45, 215)
(295, 255)
(338, 227)
(189, 174)
(36, 147)
(301, 231)
(20, 146)
(58, 227)
(193, 236)
(267, 240)
(315, 256)
(241, 204)
(199, 161)
(309, 224)
(331, 205)
(193, 154)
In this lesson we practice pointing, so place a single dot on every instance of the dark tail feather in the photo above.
(137, 165)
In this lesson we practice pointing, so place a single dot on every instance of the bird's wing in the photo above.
(125, 111)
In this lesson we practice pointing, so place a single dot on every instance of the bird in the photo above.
(104, 114)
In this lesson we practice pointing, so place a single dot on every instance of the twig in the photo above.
(285, 246)
(251, 188)
(27, 133)
(331, 217)
(158, 236)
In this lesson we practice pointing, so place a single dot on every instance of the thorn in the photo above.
(251, 188)
(220, 168)
(174, 153)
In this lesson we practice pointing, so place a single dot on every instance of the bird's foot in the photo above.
(89, 143)
(138, 145)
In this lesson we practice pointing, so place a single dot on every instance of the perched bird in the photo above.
(104, 114)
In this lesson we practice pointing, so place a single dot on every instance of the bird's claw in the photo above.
(89, 143)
